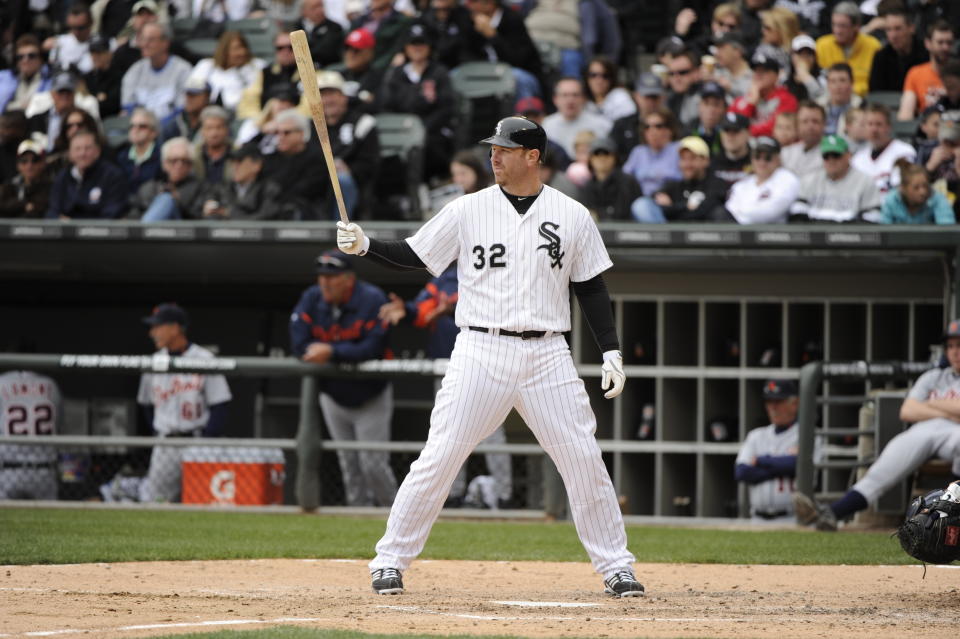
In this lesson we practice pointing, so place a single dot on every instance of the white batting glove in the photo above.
(350, 239)
(613, 374)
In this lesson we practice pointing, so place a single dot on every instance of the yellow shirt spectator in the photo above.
(860, 57)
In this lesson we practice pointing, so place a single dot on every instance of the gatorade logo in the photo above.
(223, 486)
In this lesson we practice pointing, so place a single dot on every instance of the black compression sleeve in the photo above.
(595, 302)
(395, 254)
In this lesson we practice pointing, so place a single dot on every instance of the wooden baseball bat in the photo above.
(308, 76)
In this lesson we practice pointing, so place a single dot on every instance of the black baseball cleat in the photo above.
(387, 581)
(623, 584)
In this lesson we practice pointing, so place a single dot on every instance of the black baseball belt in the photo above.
(28, 465)
(770, 514)
(520, 334)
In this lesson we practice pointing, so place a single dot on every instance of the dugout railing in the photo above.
(882, 423)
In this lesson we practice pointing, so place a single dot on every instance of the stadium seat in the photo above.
(183, 27)
(115, 129)
(252, 25)
(402, 139)
(485, 92)
(202, 47)
(889, 99)
(261, 45)
(905, 130)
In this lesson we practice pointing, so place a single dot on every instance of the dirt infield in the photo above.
(526, 599)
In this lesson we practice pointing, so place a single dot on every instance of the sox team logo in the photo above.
(553, 243)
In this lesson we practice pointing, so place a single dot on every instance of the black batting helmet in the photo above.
(515, 132)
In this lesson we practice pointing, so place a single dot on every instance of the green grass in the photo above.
(51, 536)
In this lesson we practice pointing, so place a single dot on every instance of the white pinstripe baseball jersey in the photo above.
(514, 270)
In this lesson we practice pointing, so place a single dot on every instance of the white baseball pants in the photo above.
(488, 375)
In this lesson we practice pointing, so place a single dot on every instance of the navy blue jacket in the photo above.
(102, 193)
(139, 174)
(354, 331)
(443, 330)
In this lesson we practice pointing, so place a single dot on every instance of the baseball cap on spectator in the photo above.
(330, 80)
(953, 330)
(148, 5)
(803, 41)
(696, 145)
(649, 84)
(99, 44)
(195, 85)
(63, 82)
(764, 59)
(30, 146)
(779, 389)
(833, 144)
(949, 131)
(670, 45)
(333, 262)
(603, 144)
(284, 91)
(360, 39)
(251, 151)
(168, 313)
(766, 143)
(734, 122)
(531, 105)
(735, 38)
(712, 89)
(419, 33)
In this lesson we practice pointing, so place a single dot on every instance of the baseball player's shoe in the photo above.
(810, 512)
(387, 581)
(623, 584)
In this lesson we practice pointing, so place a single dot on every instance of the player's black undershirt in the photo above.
(592, 294)
(521, 203)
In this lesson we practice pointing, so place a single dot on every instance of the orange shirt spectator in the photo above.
(921, 80)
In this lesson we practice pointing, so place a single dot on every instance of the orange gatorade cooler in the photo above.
(232, 476)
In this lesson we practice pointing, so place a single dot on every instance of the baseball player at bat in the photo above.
(933, 405)
(519, 245)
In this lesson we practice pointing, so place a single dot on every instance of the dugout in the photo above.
(704, 313)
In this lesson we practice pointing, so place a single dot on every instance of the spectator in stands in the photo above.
(185, 121)
(950, 74)
(751, 22)
(695, 197)
(29, 77)
(604, 95)
(500, 35)
(324, 35)
(216, 13)
(75, 120)
(213, 147)
(469, 173)
(27, 193)
(103, 81)
(928, 133)
(578, 171)
(940, 164)
(262, 129)
(91, 187)
(766, 196)
(557, 22)
(231, 70)
(766, 96)
(915, 202)
(13, 131)
(71, 51)
(177, 194)
(836, 192)
(362, 80)
(599, 30)
(902, 51)
(157, 80)
(282, 72)
(785, 129)
(336, 320)
(725, 18)
(847, 44)
(140, 156)
(449, 20)
(649, 95)
(388, 26)
(778, 27)
(47, 109)
(683, 80)
(713, 104)
(571, 116)
(839, 98)
(423, 88)
(657, 160)
(953, 186)
(732, 69)
(923, 85)
(552, 174)
(856, 123)
(609, 192)
(879, 159)
(733, 162)
(247, 195)
(805, 156)
(805, 81)
(533, 109)
(294, 167)
(128, 51)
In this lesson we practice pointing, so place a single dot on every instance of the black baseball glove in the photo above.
(931, 532)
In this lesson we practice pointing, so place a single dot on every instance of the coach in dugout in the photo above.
(336, 321)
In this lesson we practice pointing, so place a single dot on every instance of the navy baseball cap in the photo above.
(766, 143)
(734, 122)
(953, 330)
(168, 313)
(779, 389)
(333, 262)
(712, 89)
(649, 84)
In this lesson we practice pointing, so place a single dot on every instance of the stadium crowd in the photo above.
(753, 111)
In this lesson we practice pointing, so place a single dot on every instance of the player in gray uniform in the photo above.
(933, 405)
(767, 461)
(30, 404)
(177, 404)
